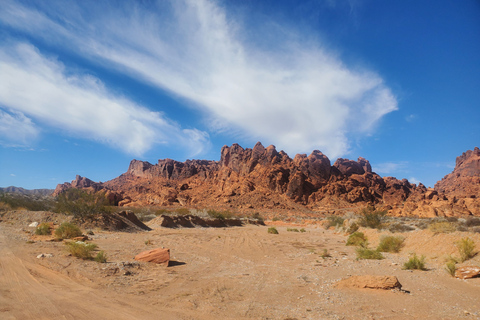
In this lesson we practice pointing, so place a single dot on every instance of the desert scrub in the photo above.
(43, 229)
(293, 230)
(272, 230)
(182, 211)
(325, 254)
(451, 266)
(371, 218)
(390, 244)
(415, 263)
(303, 230)
(222, 215)
(466, 248)
(83, 204)
(356, 239)
(334, 221)
(442, 227)
(399, 227)
(364, 253)
(101, 257)
(67, 230)
(352, 228)
(81, 249)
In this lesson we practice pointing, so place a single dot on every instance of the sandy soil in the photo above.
(226, 273)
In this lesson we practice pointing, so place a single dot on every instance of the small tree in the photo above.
(371, 218)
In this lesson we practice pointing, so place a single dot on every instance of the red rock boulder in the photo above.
(158, 255)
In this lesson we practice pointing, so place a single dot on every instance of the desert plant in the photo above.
(325, 254)
(272, 230)
(222, 215)
(257, 216)
(82, 204)
(80, 249)
(399, 227)
(442, 227)
(28, 202)
(352, 228)
(415, 263)
(303, 230)
(371, 218)
(466, 248)
(356, 239)
(334, 221)
(67, 230)
(390, 244)
(364, 253)
(101, 257)
(293, 230)
(182, 211)
(43, 229)
(472, 222)
(451, 266)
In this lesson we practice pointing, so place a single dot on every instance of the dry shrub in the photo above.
(365, 253)
(81, 250)
(371, 218)
(356, 239)
(415, 263)
(272, 230)
(334, 221)
(67, 230)
(442, 227)
(43, 229)
(390, 244)
(466, 248)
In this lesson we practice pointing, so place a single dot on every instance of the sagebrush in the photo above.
(67, 230)
(391, 244)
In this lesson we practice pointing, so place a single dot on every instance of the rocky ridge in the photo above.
(264, 179)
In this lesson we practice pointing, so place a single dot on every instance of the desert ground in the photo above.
(226, 273)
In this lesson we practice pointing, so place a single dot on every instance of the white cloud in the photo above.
(390, 167)
(295, 94)
(16, 130)
(40, 87)
(414, 180)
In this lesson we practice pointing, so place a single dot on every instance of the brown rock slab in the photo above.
(370, 282)
(467, 272)
(81, 238)
(158, 255)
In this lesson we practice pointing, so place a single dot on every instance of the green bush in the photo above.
(272, 230)
(43, 229)
(390, 244)
(334, 221)
(371, 218)
(352, 228)
(101, 257)
(415, 263)
(80, 249)
(466, 248)
(365, 253)
(303, 230)
(67, 230)
(293, 230)
(82, 204)
(356, 239)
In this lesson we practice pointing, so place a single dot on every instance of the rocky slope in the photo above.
(263, 179)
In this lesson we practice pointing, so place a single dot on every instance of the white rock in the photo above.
(41, 255)
(33, 224)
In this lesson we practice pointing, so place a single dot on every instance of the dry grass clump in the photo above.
(101, 257)
(472, 222)
(352, 228)
(466, 248)
(442, 227)
(364, 253)
(356, 239)
(334, 221)
(390, 244)
(293, 230)
(400, 227)
(272, 230)
(371, 218)
(43, 229)
(415, 263)
(451, 266)
(67, 230)
(81, 250)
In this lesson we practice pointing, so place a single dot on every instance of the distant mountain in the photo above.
(266, 180)
(33, 192)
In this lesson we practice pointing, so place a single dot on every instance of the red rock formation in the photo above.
(158, 255)
(265, 179)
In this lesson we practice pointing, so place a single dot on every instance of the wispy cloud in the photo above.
(42, 88)
(295, 94)
(390, 167)
(16, 130)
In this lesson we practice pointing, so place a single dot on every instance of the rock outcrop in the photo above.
(370, 282)
(158, 256)
(266, 179)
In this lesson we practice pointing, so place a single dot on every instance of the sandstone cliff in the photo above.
(264, 179)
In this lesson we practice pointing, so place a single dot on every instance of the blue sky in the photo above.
(86, 86)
